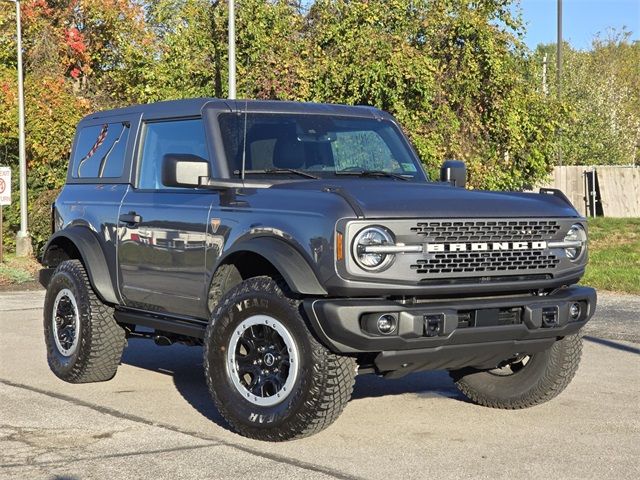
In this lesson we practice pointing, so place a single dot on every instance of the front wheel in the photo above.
(523, 381)
(268, 375)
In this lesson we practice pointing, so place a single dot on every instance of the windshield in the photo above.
(320, 145)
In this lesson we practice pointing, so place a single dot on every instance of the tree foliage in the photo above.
(602, 97)
(455, 73)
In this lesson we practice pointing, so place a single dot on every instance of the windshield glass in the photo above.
(321, 145)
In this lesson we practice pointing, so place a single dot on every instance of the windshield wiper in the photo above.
(302, 173)
(372, 173)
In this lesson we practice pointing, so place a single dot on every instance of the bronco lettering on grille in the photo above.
(484, 247)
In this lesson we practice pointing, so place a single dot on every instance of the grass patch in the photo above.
(614, 255)
(17, 270)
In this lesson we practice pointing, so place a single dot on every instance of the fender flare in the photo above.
(102, 279)
(293, 267)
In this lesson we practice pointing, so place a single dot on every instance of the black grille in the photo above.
(487, 230)
(462, 262)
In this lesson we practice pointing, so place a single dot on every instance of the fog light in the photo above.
(386, 324)
(574, 310)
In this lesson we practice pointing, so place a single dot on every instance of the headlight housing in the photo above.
(577, 237)
(372, 236)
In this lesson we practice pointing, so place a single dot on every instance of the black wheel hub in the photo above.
(65, 322)
(263, 360)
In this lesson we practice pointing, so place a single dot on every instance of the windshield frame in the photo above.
(417, 175)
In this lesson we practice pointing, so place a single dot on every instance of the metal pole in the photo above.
(545, 87)
(559, 70)
(593, 192)
(587, 201)
(23, 242)
(232, 49)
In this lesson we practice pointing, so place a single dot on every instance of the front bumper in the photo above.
(450, 334)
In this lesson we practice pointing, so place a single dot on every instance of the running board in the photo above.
(180, 326)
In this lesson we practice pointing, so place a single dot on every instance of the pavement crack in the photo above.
(218, 442)
(40, 442)
(68, 461)
(21, 309)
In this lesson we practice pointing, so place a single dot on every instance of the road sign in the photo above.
(5, 186)
(5, 198)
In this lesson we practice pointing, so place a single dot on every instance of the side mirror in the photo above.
(183, 170)
(454, 172)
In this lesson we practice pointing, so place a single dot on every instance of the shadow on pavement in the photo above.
(612, 344)
(184, 364)
(424, 384)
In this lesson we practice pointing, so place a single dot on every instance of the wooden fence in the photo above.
(607, 191)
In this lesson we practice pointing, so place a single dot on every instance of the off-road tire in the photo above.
(545, 375)
(226, 276)
(101, 340)
(322, 388)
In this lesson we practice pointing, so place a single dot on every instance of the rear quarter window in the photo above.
(100, 151)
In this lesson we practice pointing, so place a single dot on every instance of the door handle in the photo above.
(131, 218)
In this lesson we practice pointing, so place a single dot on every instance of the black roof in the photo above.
(194, 107)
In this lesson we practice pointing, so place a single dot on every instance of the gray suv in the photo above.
(302, 244)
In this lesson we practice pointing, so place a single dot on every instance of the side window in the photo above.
(100, 151)
(161, 138)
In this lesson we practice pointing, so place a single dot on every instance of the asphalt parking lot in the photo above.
(155, 420)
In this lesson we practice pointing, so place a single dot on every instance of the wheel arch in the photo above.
(266, 255)
(81, 243)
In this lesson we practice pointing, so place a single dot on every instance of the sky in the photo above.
(582, 20)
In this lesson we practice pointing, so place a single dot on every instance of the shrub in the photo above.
(40, 218)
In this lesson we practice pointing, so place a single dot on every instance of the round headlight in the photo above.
(370, 237)
(578, 236)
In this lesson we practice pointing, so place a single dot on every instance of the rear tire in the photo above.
(84, 342)
(268, 375)
(540, 379)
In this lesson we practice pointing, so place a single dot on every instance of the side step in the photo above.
(178, 325)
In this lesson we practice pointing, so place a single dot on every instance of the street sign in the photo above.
(5, 186)
(5, 199)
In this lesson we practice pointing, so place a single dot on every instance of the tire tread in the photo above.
(333, 375)
(106, 338)
(564, 359)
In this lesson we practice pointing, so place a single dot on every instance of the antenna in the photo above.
(244, 141)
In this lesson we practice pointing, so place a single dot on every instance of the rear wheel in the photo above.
(84, 342)
(523, 381)
(268, 376)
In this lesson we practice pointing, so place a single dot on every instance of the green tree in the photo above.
(451, 72)
(601, 97)
(455, 73)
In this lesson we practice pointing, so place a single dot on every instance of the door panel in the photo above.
(161, 229)
(162, 248)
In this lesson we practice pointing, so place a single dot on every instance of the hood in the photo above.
(381, 198)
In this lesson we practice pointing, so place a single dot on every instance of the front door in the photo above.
(162, 230)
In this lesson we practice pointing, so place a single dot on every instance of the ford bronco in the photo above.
(301, 244)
